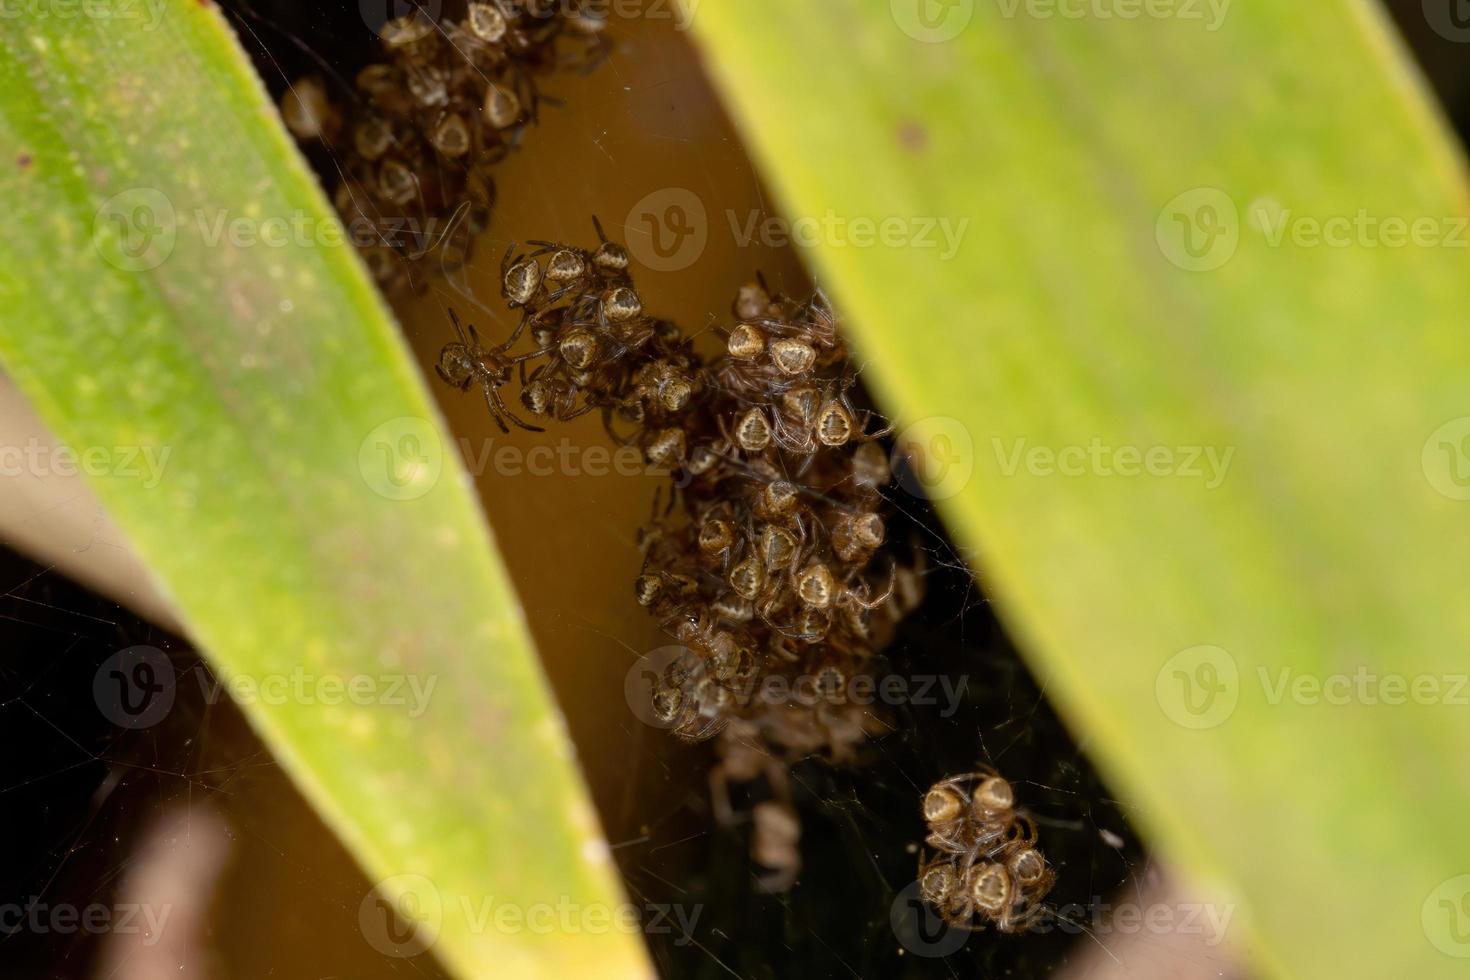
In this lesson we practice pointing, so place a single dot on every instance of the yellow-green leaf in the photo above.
(1182, 229)
(174, 288)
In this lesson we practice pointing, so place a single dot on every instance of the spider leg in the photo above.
(1008, 923)
(781, 648)
(492, 399)
(869, 605)
(567, 417)
(523, 358)
(458, 327)
(494, 394)
(534, 374)
(944, 840)
(607, 427)
(865, 436)
(514, 335)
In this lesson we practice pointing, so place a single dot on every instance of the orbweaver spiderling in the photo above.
(468, 362)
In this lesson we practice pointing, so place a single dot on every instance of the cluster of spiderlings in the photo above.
(600, 350)
(423, 128)
(987, 868)
(766, 562)
(770, 569)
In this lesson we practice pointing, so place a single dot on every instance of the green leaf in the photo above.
(173, 282)
(1164, 609)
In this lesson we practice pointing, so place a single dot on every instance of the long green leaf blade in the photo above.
(1140, 270)
(173, 281)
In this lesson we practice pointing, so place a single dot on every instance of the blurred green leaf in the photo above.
(173, 283)
(1135, 199)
